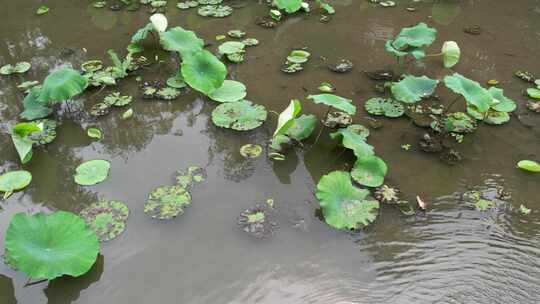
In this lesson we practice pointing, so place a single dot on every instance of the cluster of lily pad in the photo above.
(295, 61)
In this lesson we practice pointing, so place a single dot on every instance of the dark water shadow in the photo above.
(7, 292)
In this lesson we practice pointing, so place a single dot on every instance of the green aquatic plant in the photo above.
(459, 122)
(529, 165)
(412, 89)
(187, 178)
(334, 101)
(230, 91)
(42, 10)
(354, 137)
(298, 56)
(484, 204)
(127, 114)
(167, 202)
(20, 135)
(13, 181)
(471, 90)
(257, 221)
(410, 41)
(106, 218)
(33, 107)
(46, 135)
(92, 66)
(159, 22)
(115, 99)
(386, 194)
(301, 128)
(203, 72)
(62, 85)
(534, 92)
(343, 205)
(289, 6)
(167, 93)
(236, 34)
(182, 41)
(92, 172)
(384, 106)
(49, 246)
(286, 118)
(94, 133)
(216, 11)
(176, 81)
(451, 53)
(369, 171)
(240, 115)
(524, 210)
(18, 68)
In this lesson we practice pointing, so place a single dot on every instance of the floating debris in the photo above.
(380, 75)
(342, 66)
(525, 76)
(337, 119)
(473, 30)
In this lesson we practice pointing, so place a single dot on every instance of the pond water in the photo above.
(450, 254)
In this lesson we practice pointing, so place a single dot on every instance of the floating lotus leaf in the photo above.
(18, 68)
(217, 11)
(343, 205)
(386, 194)
(501, 102)
(13, 181)
(337, 119)
(62, 85)
(177, 81)
(230, 91)
(369, 171)
(209, 2)
(459, 122)
(484, 205)
(416, 36)
(182, 41)
(49, 246)
(94, 133)
(250, 42)
(496, 118)
(194, 174)
(451, 53)
(251, 151)
(257, 221)
(240, 115)
(533, 93)
(20, 137)
(286, 118)
(231, 47)
(167, 93)
(387, 107)
(342, 66)
(337, 102)
(529, 165)
(290, 6)
(107, 218)
(100, 109)
(46, 135)
(298, 56)
(116, 100)
(374, 106)
(167, 202)
(470, 90)
(354, 138)
(204, 72)
(187, 5)
(159, 21)
(412, 89)
(92, 172)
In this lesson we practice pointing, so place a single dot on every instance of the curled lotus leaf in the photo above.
(46, 135)
(298, 56)
(412, 89)
(286, 118)
(230, 91)
(451, 53)
(459, 122)
(501, 102)
(302, 127)
(240, 115)
(92, 172)
(354, 137)
(204, 72)
(369, 171)
(496, 118)
(231, 47)
(142, 33)
(62, 85)
(107, 218)
(417, 53)
(20, 136)
(343, 205)
(13, 181)
(167, 202)
(182, 41)
(471, 90)
(49, 246)
(337, 102)
(251, 151)
(417, 36)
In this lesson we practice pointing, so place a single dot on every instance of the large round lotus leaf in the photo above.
(106, 218)
(62, 85)
(167, 202)
(369, 171)
(343, 205)
(340, 103)
(496, 118)
(240, 115)
(290, 6)
(49, 246)
(230, 91)
(451, 54)
(13, 181)
(92, 172)
(204, 72)
(354, 138)
(47, 134)
(180, 40)
(231, 47)
(412, 89)
(416, 36)
(459, 122)
(502, 103)
(471, 90)
(302, 127)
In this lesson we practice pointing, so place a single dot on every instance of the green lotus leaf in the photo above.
(107, 218)
(46, 135)
(290, 6)
(354, 138)
(416, 36)
(62, 85)
(33, 108)
(115, 99)
(182, 41)
(496, 118)
(533, 93)
(167, 202)
(94, 133)
(286, 118)
(343, 205)
(92, 66)
(204, 72)
(413, 51)
(230, 91)
(231, 47)
(369, 171)
(250, 42)
(142, 33)
(471, 90)
(392, 108)
(451, 53)
(217, 11)
(92, 172)
(13, 181)
(278, 143)
(127, 114)
(298, 56)
(20, 67)
(302, 127)
(240, 115)
(194, 174)
(412, 89)
(459, 122)
(374, 106)
(176, 81)
(49, 246)
(484, 204)
(529, 165)
(340, 103)
(501, 102)
(20, 137)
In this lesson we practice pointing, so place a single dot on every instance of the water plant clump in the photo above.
(257, 221)
(167, 93)
(295, 61)
(107, 218)
(337, 119)
(342, 66)
(167, 202)
(187, 178)
(387, 194)
(100, 109)
(384, 106)
(216, 11)
(115, 99)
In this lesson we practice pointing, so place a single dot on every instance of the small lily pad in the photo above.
(529, 165)
(167, 93)
(240, 115)
(230, 91)
(216, 11)
(13, 181)
(193, 174)
(167, 202)
(19, 68)
(231, 47)
(342, 66)
(298, 56)
(484, 204)
(92, 172)
(250, 42)
(236, 33)
(251, 151)
(382, 106)
(42, 10)
(100, 109)
(107, 218)
(369, 171)
(94, 133)
(533, 93)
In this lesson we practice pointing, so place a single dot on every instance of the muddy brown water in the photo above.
(451, 254)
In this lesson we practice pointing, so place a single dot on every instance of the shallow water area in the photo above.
(451, 253)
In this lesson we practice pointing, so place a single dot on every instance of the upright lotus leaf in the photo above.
(159, 21)
(529, 165)
(231, 47)
(20, 137)
(240, 115)
(369, 171)
(204, 72)
(501, 103)
(340, 103)
(49, 246)
(62, 85)
(343, 205)
(302, 127)
(92, 172)
(451, 53)
(286, 118)
(412, 89)
(142, 33)
(354, 138)
(471, 90)
(416, 36)
(33, 108)
(230, 91)
(290, 6)
(107, 218)
(167, 202)
(182, 41)
(13, 181)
